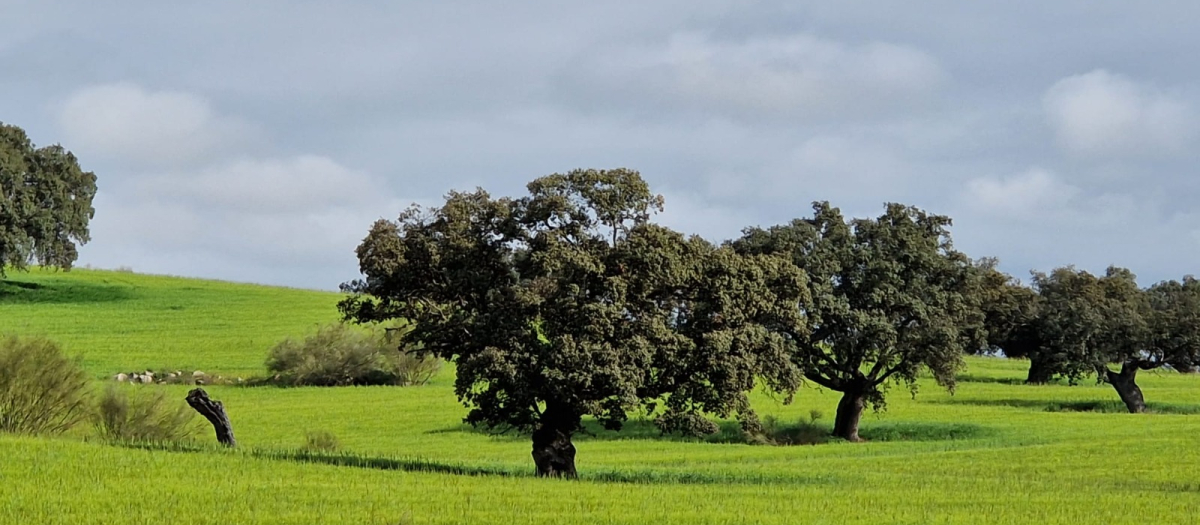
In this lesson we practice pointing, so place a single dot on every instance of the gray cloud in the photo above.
(775, 77)
(257, 141)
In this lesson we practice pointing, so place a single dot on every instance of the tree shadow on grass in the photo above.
(1104, 407)
(57, 291)
(969, 378)
(775, 432)
(463, 469)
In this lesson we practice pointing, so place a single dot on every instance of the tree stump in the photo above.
(214, 412)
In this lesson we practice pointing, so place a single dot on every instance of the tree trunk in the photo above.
(849, 412)
(214, 412)
(1039, 373)
(1127, 388)
(553, 452)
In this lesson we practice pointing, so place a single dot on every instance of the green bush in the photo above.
(775, 432)
(340, 355)
(321, 441)
(128, 414)
(42, 391)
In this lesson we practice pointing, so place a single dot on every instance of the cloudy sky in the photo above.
(257, 140)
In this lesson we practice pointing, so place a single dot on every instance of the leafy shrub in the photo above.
(339, 355)
(321, 441)
(131, 414)
(803, 432)
(42, 391)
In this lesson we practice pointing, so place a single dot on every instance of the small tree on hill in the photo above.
(45, 202)
(890, 297)
(569, 303)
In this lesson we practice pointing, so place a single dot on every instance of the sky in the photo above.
(257, 140)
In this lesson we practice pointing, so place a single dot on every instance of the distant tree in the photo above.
(570, 303)
(890, 297)
(1087, 323)
(1174, 325)
(45, 202)
(1010, 312)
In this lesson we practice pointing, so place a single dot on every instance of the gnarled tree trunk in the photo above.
(214, 412)
(553, 452)
(1127, 388)
(1039, 373)
(849, 412)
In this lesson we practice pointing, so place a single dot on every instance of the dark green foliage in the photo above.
(45, 202)
(568, 303)
(1086, 321)
(340, 355)
(1009, 309)
(890, 297)
(42, 391)
(1087, 324)
(125, 413)
(1174, 325)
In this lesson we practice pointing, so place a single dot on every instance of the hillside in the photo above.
(995, 451)
(121, 321)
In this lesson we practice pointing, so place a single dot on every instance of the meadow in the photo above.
(994, 451)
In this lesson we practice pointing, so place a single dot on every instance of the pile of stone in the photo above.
(177, 377)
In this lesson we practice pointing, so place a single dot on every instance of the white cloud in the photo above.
(773, 76)
(1106, 114)
(272, 185)
(159, 129)
(182, 204)
(1020, 195)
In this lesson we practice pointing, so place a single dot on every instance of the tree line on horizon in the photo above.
(571, 302)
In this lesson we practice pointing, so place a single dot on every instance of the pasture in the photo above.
(994, 451)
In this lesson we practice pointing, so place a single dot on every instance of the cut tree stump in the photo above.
(214, 412)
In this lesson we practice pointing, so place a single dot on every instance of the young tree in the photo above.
(890, 296)
(569, 303)
(45, 202)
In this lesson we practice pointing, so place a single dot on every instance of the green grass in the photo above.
(121, 322)
(993, 452)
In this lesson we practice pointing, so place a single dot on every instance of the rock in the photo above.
(121, 377)
(197, 374)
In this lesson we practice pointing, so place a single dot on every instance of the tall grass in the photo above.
(126, 413)
(42, 391)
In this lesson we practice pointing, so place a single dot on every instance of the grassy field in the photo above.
(120, 322)
(993, 452)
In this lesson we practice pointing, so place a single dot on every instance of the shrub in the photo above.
(339, 355)
(321, 441)
(42, 391)
(129, 414)
(803, 432)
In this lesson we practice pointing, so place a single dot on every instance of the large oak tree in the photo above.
(45, 202)
(890, 297)
(569, 303)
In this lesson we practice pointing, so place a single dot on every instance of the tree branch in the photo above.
(826, 382)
